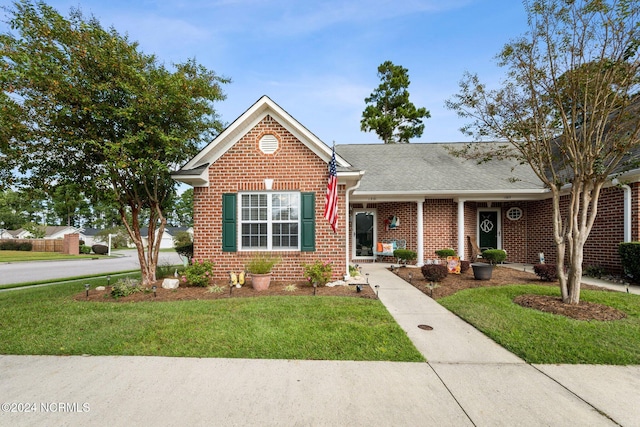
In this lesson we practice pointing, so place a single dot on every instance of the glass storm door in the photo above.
(488, 230)
(364, 238)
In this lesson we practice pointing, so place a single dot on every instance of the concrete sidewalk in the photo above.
(468, 380)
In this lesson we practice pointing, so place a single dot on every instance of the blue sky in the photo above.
(318, 59)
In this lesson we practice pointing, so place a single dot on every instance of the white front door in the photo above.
(364, 233)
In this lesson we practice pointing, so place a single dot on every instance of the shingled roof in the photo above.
(432, 169)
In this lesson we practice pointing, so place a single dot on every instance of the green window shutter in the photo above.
(229, 227)
(308, 223)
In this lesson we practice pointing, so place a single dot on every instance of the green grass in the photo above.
(48, 321)
(539, 337)
(21, 256)
(114, 276)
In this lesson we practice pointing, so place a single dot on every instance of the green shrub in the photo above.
(434, 272)
(182, 238)
(494, 256)
(630, 258)
(125, 287)
(546, 272)
(443, 253)
(198, 273)
(319, 272)
(84, 249)
(100, 249)
(25, 246)
(185, 251)
(8, 245)
(405, 254)
(261, 264)
(596, 271)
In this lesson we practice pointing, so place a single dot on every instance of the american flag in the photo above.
(331, 199)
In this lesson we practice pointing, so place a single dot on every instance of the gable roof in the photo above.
(395, 171)
(194, 172)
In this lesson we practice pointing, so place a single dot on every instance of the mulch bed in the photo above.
(184, 293)
(451, 284)
(503, 276)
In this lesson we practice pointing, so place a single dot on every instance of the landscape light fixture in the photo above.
(86, 288)
(410, 277)
(377, 287)
(154, 288)
(108, 280)
(367, 278)
(358, 288)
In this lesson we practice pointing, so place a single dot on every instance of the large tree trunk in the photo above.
(571, 235)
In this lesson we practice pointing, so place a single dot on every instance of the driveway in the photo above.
(21, 272)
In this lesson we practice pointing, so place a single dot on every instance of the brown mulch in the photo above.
(202, 293)
(508, 276)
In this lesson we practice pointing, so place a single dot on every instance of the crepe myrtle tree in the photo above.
(568, 107)
(91, 109)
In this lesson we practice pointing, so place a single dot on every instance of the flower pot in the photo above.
(482, 271)
(260, 282)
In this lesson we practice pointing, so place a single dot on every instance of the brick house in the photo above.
(260, 186)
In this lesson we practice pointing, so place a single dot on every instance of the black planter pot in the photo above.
(482, 271)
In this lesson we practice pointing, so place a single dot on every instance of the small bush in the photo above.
(494, 256)
(198, 273)
(8, 245)
(434, 272)
(405, 254)
(546, 272)
(125, 287)
(100, 249)
(319, 273)
(596, 271)
(464, 266)
(630, 258)
(84, 249)
(26, 247)
(443, 253)
(261, 263)
(185, 251)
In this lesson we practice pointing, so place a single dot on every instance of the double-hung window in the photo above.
(270, 221)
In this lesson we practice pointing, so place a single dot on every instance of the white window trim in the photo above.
(269, 222)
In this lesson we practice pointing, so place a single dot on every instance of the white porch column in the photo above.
(420, 251)
(461, 251)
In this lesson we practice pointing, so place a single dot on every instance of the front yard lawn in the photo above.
(539, 337)
(20, 256)
(49, 321)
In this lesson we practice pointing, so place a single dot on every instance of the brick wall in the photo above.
(523, 239)
(294, 167)
(601, 248)
(406, 213)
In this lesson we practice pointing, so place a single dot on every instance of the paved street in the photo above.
(44, 270)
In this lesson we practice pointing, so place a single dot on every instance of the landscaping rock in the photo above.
(100, 288)
(170, 283)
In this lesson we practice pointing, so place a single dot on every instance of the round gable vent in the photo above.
(268, 144)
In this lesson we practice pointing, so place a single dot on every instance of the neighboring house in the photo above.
(260, 186)
(166, 241)
(51, 232)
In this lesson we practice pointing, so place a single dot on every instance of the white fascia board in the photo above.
(200, 180)
(348, 177)
(408, 196)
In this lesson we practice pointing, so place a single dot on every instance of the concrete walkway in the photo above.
(468, 380)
